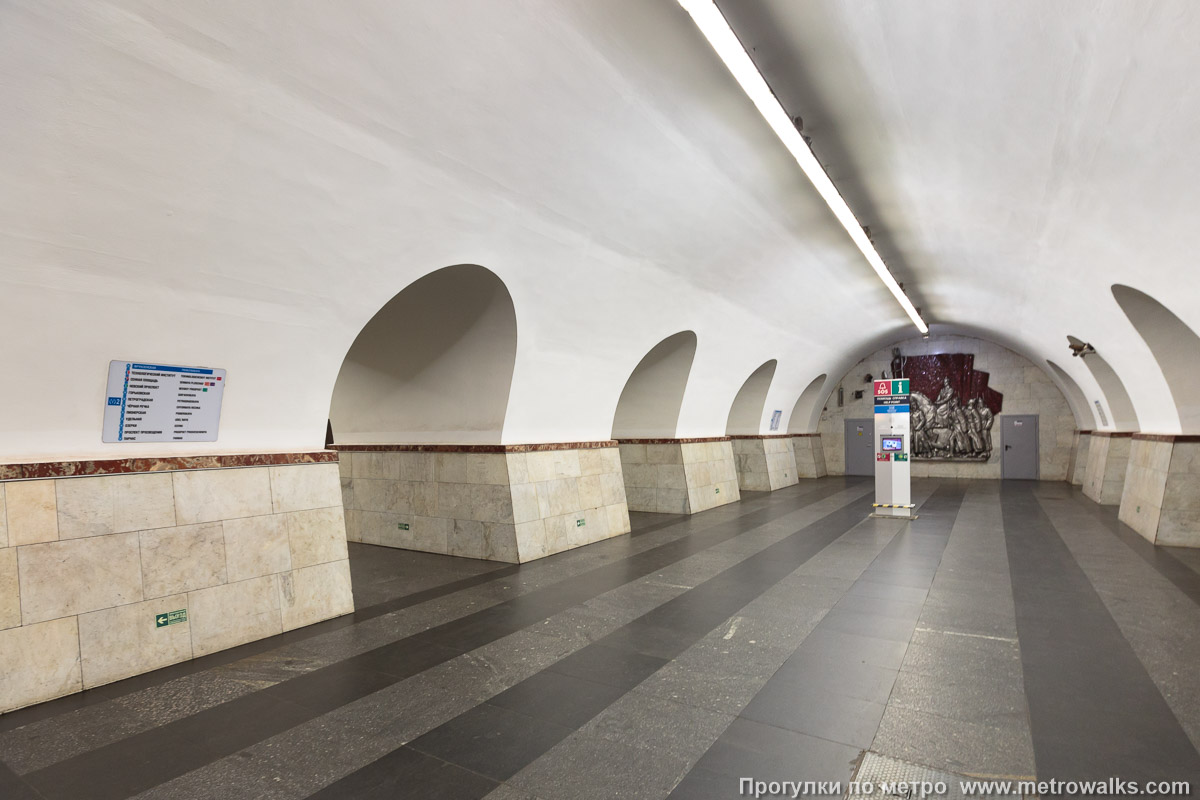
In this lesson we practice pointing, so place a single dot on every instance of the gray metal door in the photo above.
(860, 446)
(1019, 439)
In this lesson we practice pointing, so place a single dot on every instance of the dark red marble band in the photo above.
(803, 435)
(762, 436)
(677, 441)
(1084, 433)
(1113, 434)
(473, 448)
(65, 469)
(1167, 437)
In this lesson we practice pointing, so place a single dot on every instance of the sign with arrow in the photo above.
(170, 618)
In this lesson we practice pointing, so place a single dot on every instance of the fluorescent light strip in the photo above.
(714, 27)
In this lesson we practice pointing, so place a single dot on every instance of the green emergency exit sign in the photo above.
(170, 618)
(579, 523)
(402, 526)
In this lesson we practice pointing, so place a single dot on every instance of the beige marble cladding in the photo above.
(31, 511)
(1145, 485)
(764, 464)
(1161, 494)
(244, 552)
(1179, 522)
(39, 662)
(711, 474)
(115, 643)
(679, 477)
(654, 477)
(500, 506)
(809, 455)
(1079, 458)
(10, 589)
(1108, 459)
(1027, 389)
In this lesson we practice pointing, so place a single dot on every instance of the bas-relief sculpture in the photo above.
(957, 424)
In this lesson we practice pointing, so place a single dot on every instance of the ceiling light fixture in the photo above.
(716, 29)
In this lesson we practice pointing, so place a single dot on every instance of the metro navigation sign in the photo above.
(892, 388)
(170, 618)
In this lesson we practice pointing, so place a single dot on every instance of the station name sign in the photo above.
(159, 403)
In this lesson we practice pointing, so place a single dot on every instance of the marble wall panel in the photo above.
(711, 475)
(32, 512)
(115, 643)
(3, 519)
(218, 494)
(234, 613)
(1082, 446)
(300, 487)
(764, 464)
(95, 506)
(39, 662)
(1144, 486)
(256, 546)
(61, 579)
(177, 560)
(1093, 476)
(316, 536)
(1161, 495)
(315, 593)
(1116, 462)
(10, 589)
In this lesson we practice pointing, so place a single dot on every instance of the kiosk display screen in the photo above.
(890, 444)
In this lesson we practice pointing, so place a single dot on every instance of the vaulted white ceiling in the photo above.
(244, 185)
(1013, 159)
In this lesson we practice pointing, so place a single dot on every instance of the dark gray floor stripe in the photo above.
(13, 788)
(158, 677)
(645, 524)
(1164, 562)
(499, 737)
(1094, 711)
(821, 709)
(144, 760)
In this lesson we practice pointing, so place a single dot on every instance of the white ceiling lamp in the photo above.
(714, 27)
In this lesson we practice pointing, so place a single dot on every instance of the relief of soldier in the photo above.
(945, 427)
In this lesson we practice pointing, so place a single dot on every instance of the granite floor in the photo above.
(1015, 629)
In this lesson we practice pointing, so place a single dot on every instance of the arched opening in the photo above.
(801, 420)
(650, 402)
(1175, 347)
(745, 415)
(435, 364)
(1085, 419)
(428, 376)
(1124, 418)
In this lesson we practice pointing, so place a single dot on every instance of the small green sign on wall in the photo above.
(579, 523)
(170, 618)
(402, 526)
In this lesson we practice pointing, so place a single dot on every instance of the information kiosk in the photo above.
(893, 497)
